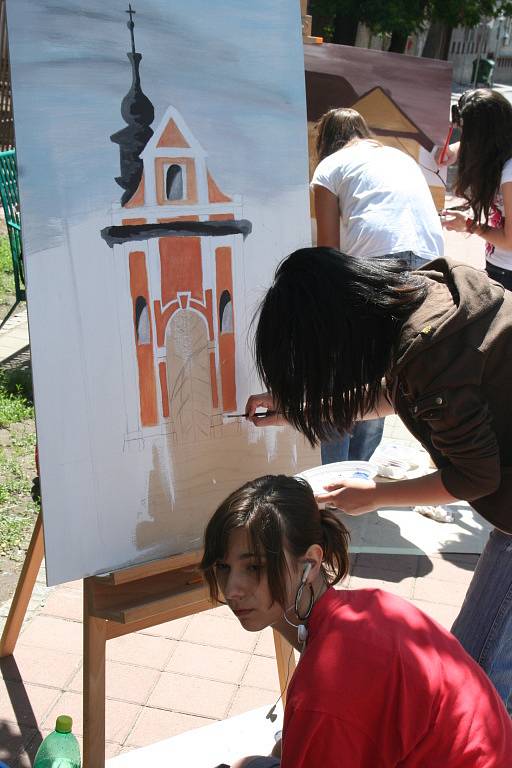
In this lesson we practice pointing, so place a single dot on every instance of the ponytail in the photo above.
(335, 540)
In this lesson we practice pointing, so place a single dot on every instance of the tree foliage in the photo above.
(404, 17)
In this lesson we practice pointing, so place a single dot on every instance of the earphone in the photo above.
(302, 635)
(305, 573)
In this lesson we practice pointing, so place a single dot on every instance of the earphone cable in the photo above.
(271, 713)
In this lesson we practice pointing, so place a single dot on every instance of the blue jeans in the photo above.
(484, 624)
(410, 260)
(358, 446)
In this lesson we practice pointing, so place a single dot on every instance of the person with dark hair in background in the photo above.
(378, 683)
(345, 338)
(370, 200)
(484, 177)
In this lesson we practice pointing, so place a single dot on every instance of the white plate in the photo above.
(319, 477)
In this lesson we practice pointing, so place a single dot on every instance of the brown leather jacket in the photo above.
(451, 384)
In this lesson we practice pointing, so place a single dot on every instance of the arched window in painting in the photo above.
(226, 313)
(174, 182)
(142, 321)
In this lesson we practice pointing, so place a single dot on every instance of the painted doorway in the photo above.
(188, 374)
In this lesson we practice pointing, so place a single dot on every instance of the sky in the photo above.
(226, 65)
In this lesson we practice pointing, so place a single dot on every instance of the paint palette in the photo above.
(319, 477)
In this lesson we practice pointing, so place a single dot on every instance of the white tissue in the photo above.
(439, 514)
(392, 470)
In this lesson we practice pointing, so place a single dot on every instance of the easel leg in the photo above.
(285, 662)
(95, 639)
(20, 601)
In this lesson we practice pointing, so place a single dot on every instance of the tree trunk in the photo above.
(398, 42)
(345, 29)
(437, 44)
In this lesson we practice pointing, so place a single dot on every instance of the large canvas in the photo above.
(404, 99)
(162, 154)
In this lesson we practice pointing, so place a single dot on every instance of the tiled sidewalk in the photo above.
(14, 334)
(183, 674)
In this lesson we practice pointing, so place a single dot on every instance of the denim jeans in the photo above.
(358, 446)
(484, 624)
(410, 260)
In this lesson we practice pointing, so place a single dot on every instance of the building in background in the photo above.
(491, 39)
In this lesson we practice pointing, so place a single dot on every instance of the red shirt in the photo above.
(380, 684)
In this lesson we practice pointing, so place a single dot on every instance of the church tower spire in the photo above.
(138, 113)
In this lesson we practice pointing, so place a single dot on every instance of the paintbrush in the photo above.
(245, 415)
(455, 121)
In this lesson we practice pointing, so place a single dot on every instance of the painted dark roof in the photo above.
(325, 91)
(125, 233)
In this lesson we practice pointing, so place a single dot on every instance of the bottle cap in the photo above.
(64, 724)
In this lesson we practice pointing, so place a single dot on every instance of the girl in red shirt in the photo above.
(379, 684)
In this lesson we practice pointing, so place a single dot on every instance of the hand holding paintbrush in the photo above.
(449, 153)
(268, 418)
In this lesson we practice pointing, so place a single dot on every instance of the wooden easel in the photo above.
(117, 604)
(24, 589)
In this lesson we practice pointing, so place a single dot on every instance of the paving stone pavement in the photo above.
(183, 674)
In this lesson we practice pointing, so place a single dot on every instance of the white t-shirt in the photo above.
(494, 255)
(385, 203)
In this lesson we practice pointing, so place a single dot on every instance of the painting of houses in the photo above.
(405, 100)
(166, 179)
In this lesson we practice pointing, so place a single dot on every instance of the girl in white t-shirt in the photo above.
(484, 177)
(370, 201)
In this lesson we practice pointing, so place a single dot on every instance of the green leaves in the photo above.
(409, 16)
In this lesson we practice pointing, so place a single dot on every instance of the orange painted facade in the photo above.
(138, 198)
(181, 268)
(162, 371)
(225, 331)
(144, 341)
(172, 137)
(187, 274)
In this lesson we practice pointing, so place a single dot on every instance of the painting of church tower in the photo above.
(177, 242)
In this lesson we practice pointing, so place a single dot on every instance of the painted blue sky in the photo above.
(229, 66)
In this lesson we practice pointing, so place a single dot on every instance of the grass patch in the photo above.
(17, 470)
(15, 483)
(6, 268)
(15, 396)
(7, 290)
(14, 532)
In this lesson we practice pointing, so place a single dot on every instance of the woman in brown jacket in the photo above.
(340, 339)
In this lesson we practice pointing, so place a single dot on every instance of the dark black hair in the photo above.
(326, 332)
(485, 146)
(277, 511)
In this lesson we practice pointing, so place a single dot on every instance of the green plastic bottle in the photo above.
(60, 749)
